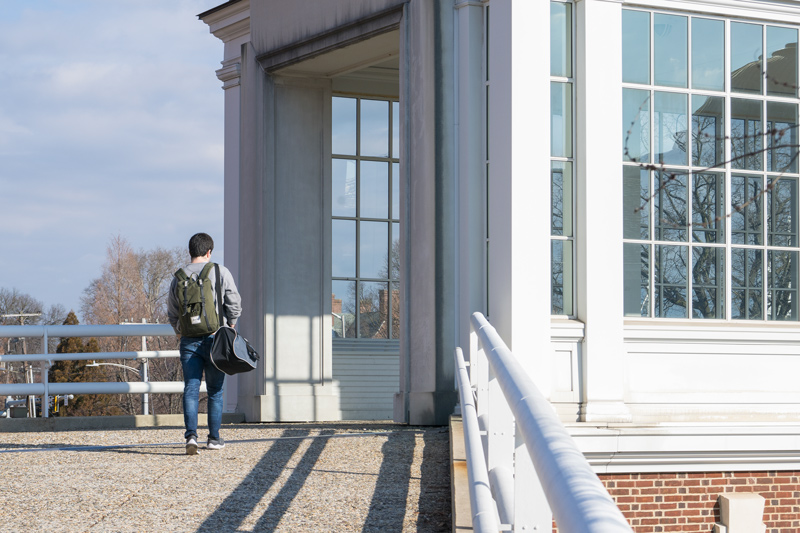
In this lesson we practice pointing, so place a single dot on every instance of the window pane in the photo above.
(782, 289)
(373, 310)
(781, 61)
(561, 119)
(746, 214)
(560, 39)
(781, 218)
(396, 130)
(374, 190)
(782, 131)
(636, 259)
(373, 250)
(708, 207)
(343, 308)
(394, 272)
(746, 134)
(635, 46)
(636, 203)
(636, 125)
(708, 282)
(561, 199)
(394, 305)
(671, 271)
(343, 126)
(708, 54)
(669, 128)
(746, 52)
(670, 41)
(343, 194)
(374, 133)
(561, 286)
(343, 248)
(747, 284)
(396, 191)
(670, 204)
(708, 130)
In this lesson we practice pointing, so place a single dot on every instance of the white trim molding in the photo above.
(689, 447)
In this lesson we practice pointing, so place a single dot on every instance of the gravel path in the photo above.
(270, 477)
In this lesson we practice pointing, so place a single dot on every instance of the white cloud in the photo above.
(111, 117)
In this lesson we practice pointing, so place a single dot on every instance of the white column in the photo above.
(229, 75)
(598, 76)
(471, 227)
(519, 181)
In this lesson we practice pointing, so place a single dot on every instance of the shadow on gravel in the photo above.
(388, 507)
(241, 502)
(387, 510)
(435, 505)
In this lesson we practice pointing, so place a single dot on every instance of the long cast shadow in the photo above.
(435, 506)
(281, 502)
(387, 510)
(240, 503)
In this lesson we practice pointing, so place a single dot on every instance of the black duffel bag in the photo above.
(231, 353)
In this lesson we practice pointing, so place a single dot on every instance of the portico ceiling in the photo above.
(379, 51)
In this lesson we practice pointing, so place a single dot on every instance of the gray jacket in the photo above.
(231, 301)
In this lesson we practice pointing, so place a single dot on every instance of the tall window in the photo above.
(561, 159)
(365, 205)
(709, 167)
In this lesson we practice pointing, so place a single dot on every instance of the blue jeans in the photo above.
(196, 358)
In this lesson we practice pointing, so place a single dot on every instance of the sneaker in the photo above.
(191, 446)
(215, 444)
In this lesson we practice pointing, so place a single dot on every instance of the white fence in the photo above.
(524, 468)
(46, 389)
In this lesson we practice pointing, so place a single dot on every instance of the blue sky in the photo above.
(111, 123)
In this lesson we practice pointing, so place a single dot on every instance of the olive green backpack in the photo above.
(198, 316)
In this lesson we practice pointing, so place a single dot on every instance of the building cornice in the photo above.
(754, 9)
(230, 21)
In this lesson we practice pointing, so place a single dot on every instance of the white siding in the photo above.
(368, 375)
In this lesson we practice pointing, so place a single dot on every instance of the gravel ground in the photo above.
(270, 477)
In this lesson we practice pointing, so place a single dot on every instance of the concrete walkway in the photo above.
(354, 476)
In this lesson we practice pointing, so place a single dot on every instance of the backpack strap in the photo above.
(204, 276)
(182, 279)
(219, 295)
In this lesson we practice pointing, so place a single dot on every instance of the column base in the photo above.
(611, 412)
(294, 403)
(424, 408)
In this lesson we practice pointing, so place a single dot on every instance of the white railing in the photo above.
(46, 389)
(524, 468)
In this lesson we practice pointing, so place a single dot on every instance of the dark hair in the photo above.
(200, 244)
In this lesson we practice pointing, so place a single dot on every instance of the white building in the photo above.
(390, 169)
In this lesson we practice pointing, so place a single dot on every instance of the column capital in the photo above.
(230, 73)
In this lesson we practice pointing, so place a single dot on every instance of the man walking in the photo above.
(192, 312)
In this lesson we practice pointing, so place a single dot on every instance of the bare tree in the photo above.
(132, 287)
(773, 149)
(18, 308)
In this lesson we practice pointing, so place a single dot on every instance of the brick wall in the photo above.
(688, 502)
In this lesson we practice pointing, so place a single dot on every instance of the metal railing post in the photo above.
(145, 397)
(45, 377)
(500, 443)
(45, 389)
(484, 517)
(531, 510)
(535, 469)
